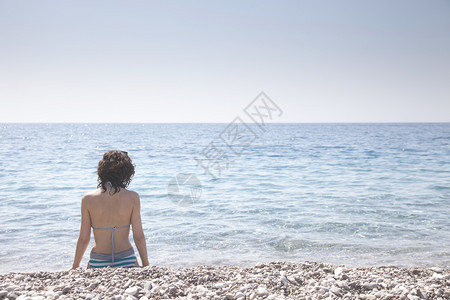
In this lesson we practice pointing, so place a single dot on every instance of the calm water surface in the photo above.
(353, 194)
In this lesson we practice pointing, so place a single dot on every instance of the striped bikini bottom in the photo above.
(123, 259)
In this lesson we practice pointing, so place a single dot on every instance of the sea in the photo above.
(352, 194)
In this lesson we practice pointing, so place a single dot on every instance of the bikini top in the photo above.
(112, 237)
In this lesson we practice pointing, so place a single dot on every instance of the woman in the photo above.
(110, 210)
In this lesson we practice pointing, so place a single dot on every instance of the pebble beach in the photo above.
(275, 280)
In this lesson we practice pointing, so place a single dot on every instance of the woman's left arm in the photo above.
(85, 234)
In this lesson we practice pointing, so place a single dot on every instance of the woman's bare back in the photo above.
(108, 210)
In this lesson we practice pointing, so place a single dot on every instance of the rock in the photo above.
(271, 281)
(11, 288)
(229, 296)
(291, 279)
(19, 277)
(148, 286)
(335, 290)
(129, 282)
(66, 290)
(262, 291)
(322, 289)
(219, 285)
(12, 296)
(342, 285)
(49, 294)
(338, 271)
(437, 276)
(173, 290)
(132, 291)
(436, 269)
(369, 286)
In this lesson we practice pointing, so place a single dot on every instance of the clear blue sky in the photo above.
(204, 61)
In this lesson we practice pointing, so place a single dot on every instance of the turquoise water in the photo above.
(353, 194)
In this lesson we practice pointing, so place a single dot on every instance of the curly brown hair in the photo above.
(117, 168)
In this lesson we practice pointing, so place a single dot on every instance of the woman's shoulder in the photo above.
(131, 193)
(91, 195)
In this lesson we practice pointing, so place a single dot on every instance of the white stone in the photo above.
(19, 277)
(336, 291)
(219, 285)
(437, 276)
(148, 286)
(132, 290)
(436, 269)
(338, 271)
(49, 294)
(262, 291)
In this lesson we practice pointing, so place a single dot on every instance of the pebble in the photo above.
(262, 291)
(338, 271)
(49, 294)
(436, 269)
(335, 290)
(437, 276)
(369, 286)
(148, 286)
(219, 285)
(19, 277)
(273, 280)
(132, 290)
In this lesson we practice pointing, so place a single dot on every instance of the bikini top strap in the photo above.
(113, 228)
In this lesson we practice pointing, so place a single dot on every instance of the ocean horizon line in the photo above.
(134, 123)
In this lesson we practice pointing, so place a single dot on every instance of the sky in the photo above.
(205, 61)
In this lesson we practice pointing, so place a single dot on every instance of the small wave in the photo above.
(440, 187)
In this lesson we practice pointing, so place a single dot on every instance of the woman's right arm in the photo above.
(85, 234)
(138, 232)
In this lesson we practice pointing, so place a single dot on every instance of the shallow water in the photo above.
(353, 194)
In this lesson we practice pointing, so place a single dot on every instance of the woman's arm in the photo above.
(85, 234)
(138, 232)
